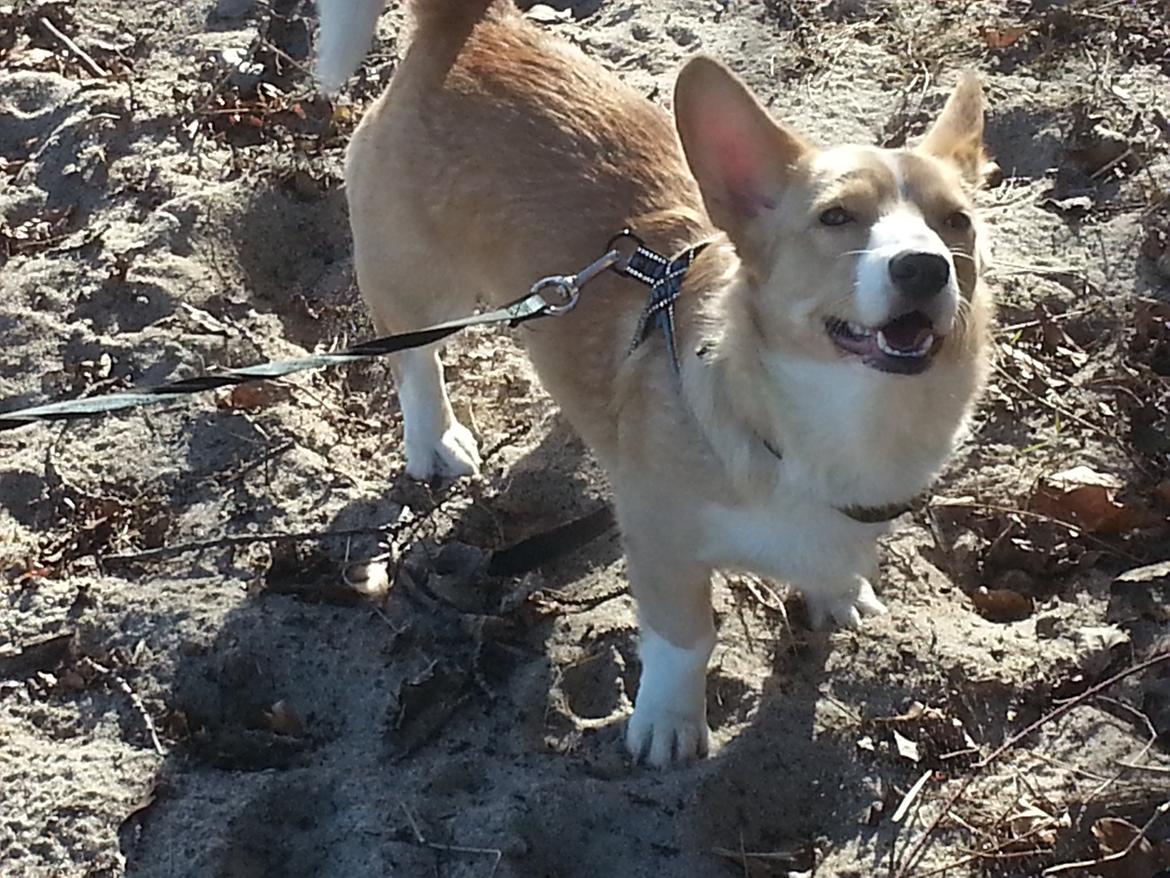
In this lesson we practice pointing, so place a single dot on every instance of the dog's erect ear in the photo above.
(957, 134)
(739, 156)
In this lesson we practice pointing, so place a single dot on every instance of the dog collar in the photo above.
(863, 514)
(664, 277)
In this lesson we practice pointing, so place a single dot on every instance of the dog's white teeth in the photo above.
(858, 330)
(886, 348)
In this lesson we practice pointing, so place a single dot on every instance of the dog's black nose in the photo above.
(919, 274)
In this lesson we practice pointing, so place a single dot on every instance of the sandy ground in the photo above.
(185, 691)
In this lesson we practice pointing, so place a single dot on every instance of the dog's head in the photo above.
(857, 253)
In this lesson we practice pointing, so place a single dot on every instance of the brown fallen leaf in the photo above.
(1003, 37)
(1083, 497)
(1114, 836)
(283, 719)
(253, 395)
(1002, 604)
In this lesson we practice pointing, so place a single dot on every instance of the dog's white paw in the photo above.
(669, 723)
(663, 737)
(453, 454)
(844, 608)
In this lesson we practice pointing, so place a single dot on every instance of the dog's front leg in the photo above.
(669, 723)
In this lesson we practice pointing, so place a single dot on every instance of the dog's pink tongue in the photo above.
(908, 332)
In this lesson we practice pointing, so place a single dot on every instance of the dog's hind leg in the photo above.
(400, 299)
(436, 443)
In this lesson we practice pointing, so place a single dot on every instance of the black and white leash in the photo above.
(548, 297)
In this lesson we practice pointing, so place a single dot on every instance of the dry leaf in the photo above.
(254, 395)
(907, 749)
(542, 13)
(1148, 573)
(1095, 645)
(1086, 498)
(371, 579)
(1002, 604)
(283, 719)
(1002, 37)
(1115, 835)
(1035, 824)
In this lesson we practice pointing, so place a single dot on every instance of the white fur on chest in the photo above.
(789, 535)
(852, 436)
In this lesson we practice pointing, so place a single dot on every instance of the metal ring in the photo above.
(624, 257)
(567, 290)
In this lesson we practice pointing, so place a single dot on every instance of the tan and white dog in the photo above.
(832, 337)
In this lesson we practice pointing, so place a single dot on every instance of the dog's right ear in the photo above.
(739, 156)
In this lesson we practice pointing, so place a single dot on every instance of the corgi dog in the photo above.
(829, 340)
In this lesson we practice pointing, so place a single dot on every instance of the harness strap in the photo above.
(664, 277)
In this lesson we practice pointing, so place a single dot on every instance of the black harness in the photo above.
(664, 277)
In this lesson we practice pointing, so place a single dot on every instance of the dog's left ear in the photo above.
(739, 156)
(957, 134)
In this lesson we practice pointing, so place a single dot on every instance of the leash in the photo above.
(552, 296)
(549, 297)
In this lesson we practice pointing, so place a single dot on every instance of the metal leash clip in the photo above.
(567, 287)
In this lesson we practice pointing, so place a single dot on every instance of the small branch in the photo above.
(135, 701)
(911, 795)
(450, 848)
(243, 540)
(82, 56)
(915, 852)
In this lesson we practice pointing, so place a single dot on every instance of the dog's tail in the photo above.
(347, 25)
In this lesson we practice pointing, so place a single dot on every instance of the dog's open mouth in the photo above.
(904, 345)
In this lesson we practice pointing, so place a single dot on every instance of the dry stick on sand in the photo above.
(915, 852)
(450, 848)
(135, 702)
(244, 540)
(80, 53)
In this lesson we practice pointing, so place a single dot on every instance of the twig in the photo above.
(911, 795)
(1060, 410)
(915, 852)
(1114, 857)
(755, 855)
(135, 701)
(244, 540)
(451, 848)
(1073, 529)
(1152, 737)
(82, 56)
(1158, 769)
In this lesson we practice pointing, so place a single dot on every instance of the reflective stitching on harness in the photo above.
(665, 279)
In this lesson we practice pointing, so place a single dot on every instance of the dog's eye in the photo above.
(836, 216)
(958, 221)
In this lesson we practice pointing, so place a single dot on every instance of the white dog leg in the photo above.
(669, 723)
(436, 443)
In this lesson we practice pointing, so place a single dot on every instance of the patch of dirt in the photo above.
(201, 670)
